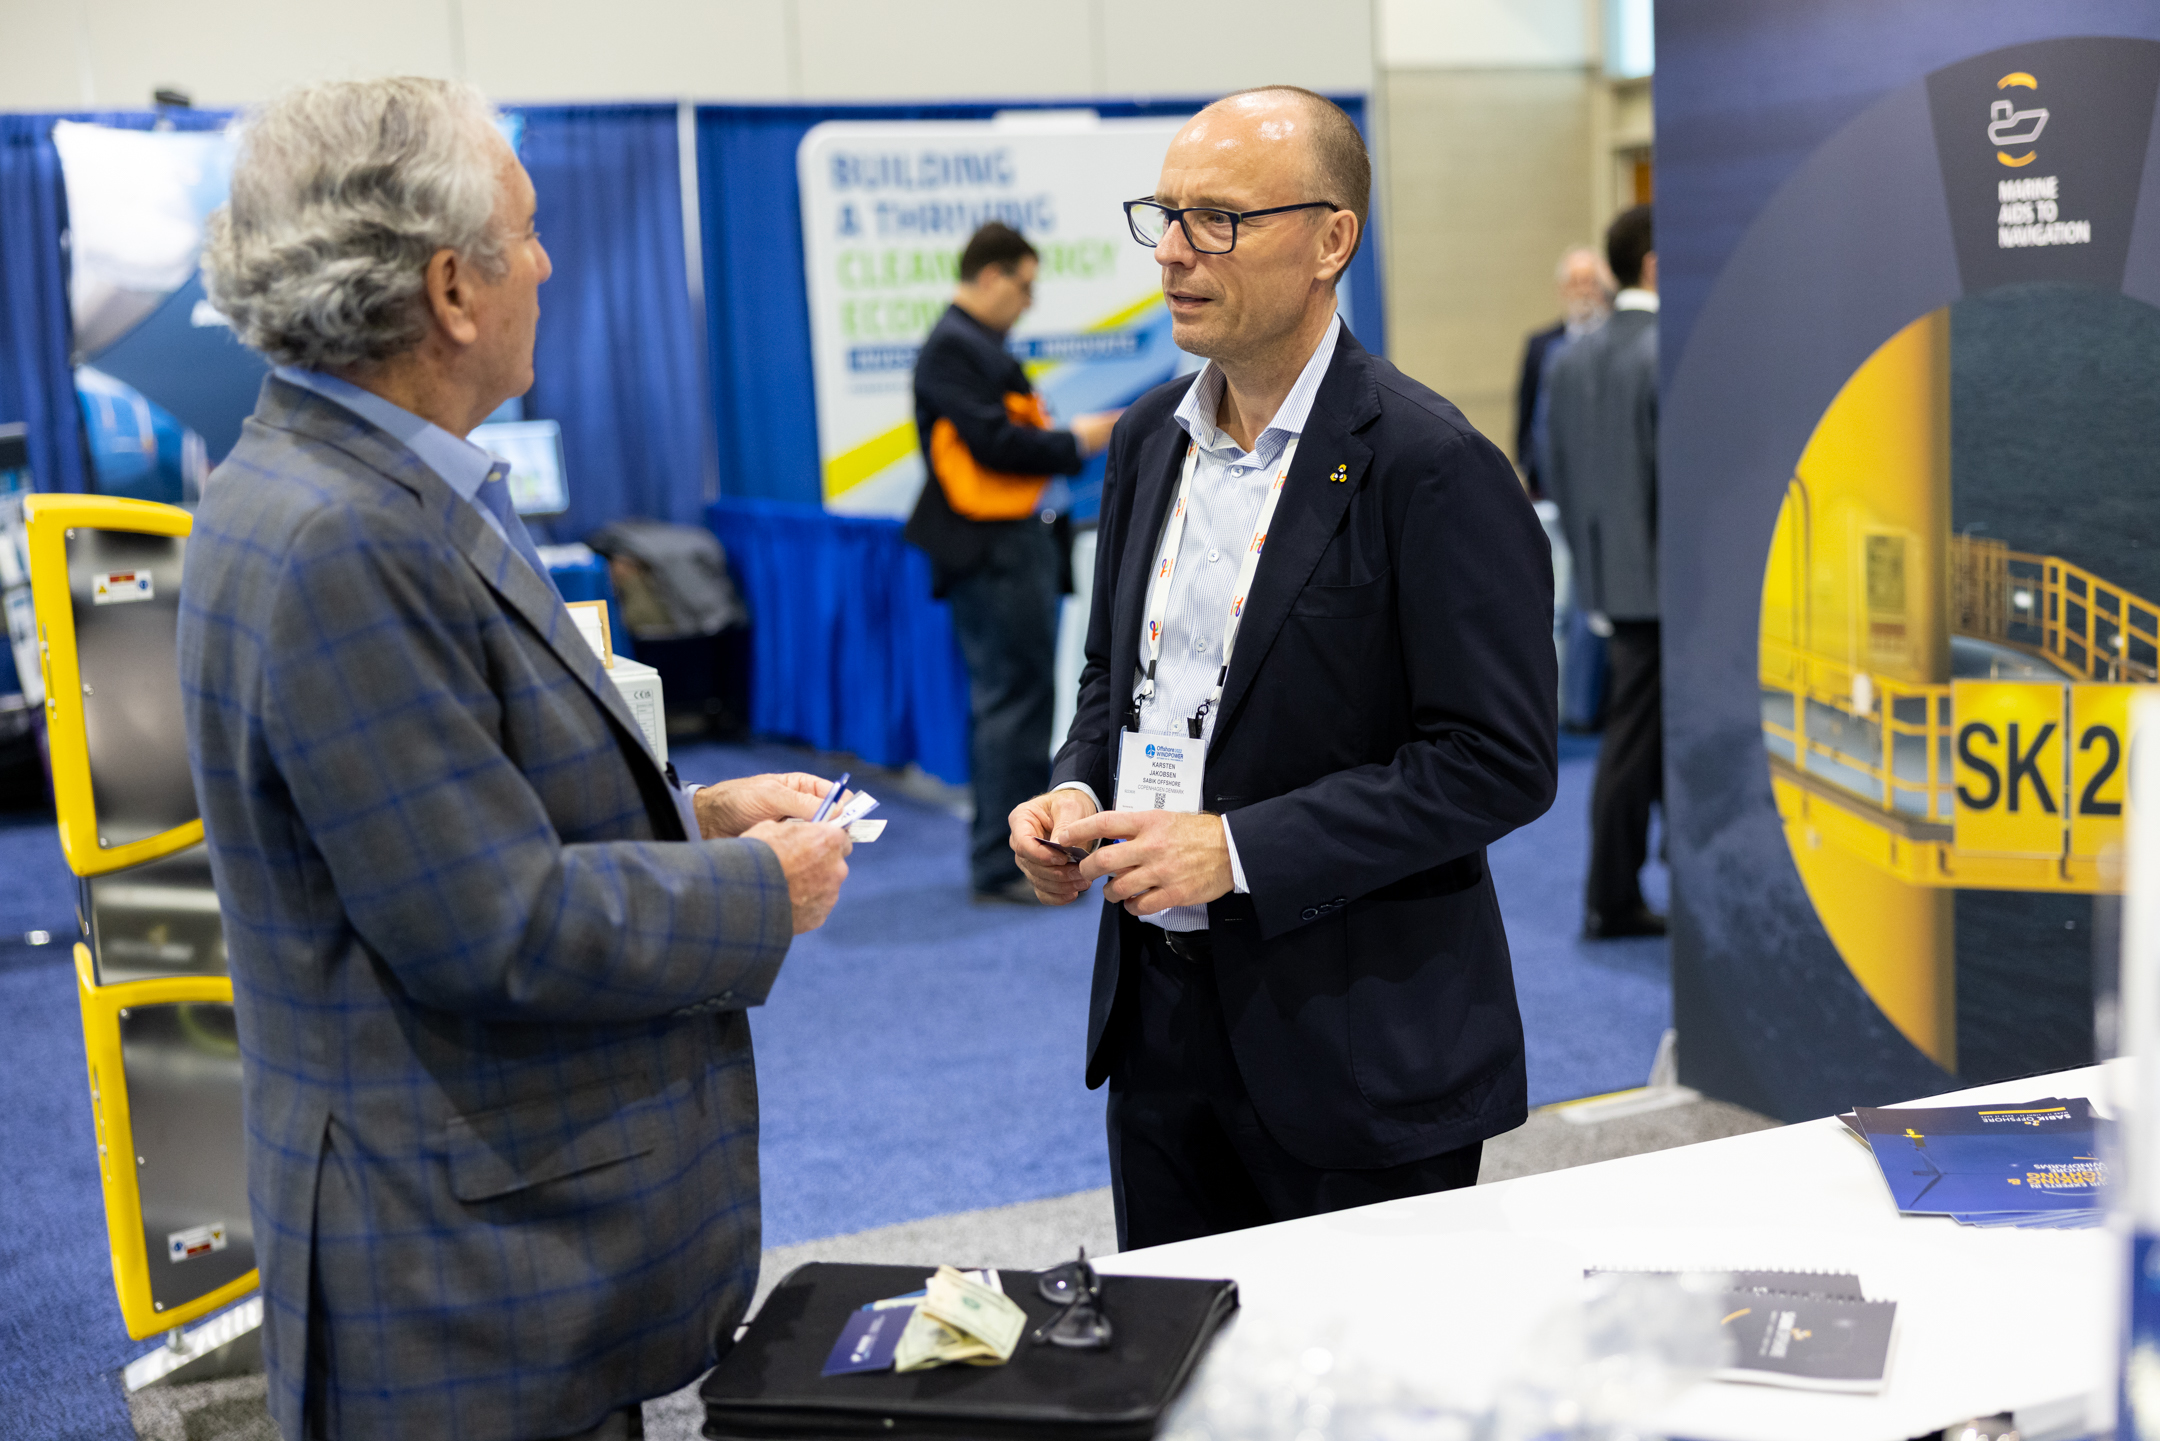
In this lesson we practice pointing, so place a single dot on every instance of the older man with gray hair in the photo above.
(490, 963)
(1585, 287)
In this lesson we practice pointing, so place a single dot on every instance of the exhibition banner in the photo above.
(163, 382)
(1910, 338)
(887, 207)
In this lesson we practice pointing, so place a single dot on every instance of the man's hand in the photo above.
(730, 808)
(1167, 859)
(1093, 431)
(814, 858)
(1056, 878)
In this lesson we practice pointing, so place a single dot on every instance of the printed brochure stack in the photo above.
(2024, 1163)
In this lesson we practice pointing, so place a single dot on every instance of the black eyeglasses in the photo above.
(1082, 1324)
(1207, 230)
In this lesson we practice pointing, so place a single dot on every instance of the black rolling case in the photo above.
(769, 1385)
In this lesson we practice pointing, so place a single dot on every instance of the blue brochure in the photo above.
(867, 1340)
(2014, 1159)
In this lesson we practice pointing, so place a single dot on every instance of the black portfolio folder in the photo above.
(769, 1385)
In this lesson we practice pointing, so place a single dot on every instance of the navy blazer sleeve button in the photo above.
(1309, 912)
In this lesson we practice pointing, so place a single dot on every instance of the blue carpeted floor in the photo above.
(1592, 1010)
(918, 1056)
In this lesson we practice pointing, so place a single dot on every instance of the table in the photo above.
(1444, 1290)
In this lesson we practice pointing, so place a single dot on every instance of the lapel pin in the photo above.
(1342, 474)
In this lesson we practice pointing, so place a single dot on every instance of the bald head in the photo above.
(1290, 166)
(1335, 165)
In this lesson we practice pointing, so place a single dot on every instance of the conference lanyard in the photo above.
(1159, 584)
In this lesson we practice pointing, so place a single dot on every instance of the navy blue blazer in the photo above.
(1391, 711)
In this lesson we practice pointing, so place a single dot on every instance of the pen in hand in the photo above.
(825, 806)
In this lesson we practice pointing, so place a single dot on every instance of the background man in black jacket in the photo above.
(1302, 993)
(994, 552)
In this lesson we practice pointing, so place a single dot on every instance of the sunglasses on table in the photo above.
(1082, 1325)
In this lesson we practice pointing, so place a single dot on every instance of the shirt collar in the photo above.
(1634, 299)
(1197, 411)
(463, 466)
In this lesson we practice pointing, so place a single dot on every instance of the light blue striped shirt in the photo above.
(463, 466)
(1229, 486)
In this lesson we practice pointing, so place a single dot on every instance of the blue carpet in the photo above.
(1592, 1010)
(919, 1055)
(61, 1341)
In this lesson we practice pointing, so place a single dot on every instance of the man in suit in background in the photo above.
(997, 553)
(490, 983)
(1302, 995)
(1602, 471)
(1585, 300)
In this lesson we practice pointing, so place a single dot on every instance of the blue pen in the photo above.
(825, 806)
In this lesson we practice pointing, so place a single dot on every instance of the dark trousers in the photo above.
(1005, 615)
(1189, 1156)
(1630, 772)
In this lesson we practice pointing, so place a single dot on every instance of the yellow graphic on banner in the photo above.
(851, 468)
(2099, 738)
(888, 448)
(2009, 767)
(1942, 712)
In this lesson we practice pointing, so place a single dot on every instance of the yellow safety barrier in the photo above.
(126, 1233)
(51, 522)
(2046, 605)
(162, 1054)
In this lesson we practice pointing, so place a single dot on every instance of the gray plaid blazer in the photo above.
(501, 1112)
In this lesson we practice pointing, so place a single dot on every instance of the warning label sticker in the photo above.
(195, 1241)
(116, 587)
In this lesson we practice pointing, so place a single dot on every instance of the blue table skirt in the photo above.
(848, 650)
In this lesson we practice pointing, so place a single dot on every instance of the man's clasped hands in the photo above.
(1160, 859)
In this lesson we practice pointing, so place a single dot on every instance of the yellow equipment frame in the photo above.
(101, 1007)
(47, 520)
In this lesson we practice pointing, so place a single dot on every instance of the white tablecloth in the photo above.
(1446, 1288)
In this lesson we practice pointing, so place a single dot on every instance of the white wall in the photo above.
(1485, 34)
(66, 54)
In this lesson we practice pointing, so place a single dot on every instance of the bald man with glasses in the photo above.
(1319, 683)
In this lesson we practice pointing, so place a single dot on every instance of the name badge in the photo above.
(1158, 772)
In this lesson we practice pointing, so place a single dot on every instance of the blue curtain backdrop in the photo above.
(829, 662)
(616, 360)
(36, 383)
(617, 364)
(757, 305)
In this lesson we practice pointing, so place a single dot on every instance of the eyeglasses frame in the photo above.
(1237, 217)
(1081, 1323)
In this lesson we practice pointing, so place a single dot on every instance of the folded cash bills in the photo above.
(959, 1319)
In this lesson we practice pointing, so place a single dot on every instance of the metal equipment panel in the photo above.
(157, 919)
(125, 589)
(182, 1068)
